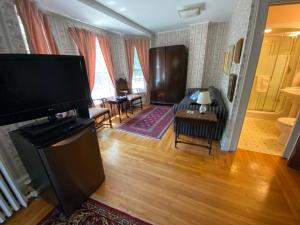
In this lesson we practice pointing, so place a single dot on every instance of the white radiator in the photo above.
(11, 199)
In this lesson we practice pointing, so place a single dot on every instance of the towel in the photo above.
(262, 83)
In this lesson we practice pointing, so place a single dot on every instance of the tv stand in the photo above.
(64, 163)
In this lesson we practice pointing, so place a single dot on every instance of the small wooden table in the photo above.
(119, 102)
(194, 116)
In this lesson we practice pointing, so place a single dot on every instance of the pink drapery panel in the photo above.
(86, 44)
(40, 38)
(129, 50)
(142, 47)
(106, 51)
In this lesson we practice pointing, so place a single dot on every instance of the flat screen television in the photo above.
(34, 86)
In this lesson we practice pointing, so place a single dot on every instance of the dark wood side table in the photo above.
(121, 103)
(194, 116)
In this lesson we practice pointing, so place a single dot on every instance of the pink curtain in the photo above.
(86, 44)
(129, 50)
(106, 51)
(142, 47)
(40, 38)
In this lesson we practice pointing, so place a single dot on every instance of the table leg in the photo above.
(210, 138)
(141, 102)
(111, 108)
(130, 106)
(126, 106)
(176, 134)
(119, 111)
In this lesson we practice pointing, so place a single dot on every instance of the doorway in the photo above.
(275, 96)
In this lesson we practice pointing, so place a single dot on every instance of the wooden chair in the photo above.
(134, 99)
(100, 114)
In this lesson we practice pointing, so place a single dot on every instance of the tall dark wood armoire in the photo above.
(168, 72)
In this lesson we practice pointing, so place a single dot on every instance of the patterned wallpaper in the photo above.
(11, 41)
(119, 58)
(216, 41)
(197, 51)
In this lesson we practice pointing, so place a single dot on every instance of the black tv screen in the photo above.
(33, 86)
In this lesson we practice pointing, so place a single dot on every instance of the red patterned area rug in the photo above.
(92, 213)
(151, 122)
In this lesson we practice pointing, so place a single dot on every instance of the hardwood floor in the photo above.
(154, 181)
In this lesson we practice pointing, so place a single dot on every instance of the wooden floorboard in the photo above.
(153, 180)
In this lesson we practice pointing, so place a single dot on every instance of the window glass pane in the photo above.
(138, 81)
(103, 86)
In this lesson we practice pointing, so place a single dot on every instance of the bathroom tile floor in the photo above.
(260, 135)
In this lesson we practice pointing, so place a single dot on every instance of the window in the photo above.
(103, 86)
(138, 81)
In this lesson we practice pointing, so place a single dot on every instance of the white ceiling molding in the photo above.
(104, 9)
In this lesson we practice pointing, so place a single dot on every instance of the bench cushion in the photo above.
(133, 97)
(96, 111)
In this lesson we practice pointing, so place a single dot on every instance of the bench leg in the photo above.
(109, 118)
(141, 101)
(130, 107)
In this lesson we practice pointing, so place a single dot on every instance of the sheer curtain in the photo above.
(106, 51)
(142, 46)
(86, 44)
(36, 24)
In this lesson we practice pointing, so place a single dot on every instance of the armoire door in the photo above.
(157, 74)
(176, 73)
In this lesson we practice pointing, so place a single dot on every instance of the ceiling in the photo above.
(155, 15)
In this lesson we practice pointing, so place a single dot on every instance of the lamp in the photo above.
(203, 99)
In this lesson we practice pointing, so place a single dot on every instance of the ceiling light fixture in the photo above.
(191, 10)
(268, 30)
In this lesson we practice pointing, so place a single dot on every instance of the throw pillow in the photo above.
(195, 95)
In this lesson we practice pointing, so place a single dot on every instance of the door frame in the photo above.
(256, 38)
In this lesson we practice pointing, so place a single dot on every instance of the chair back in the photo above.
(121, 86)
